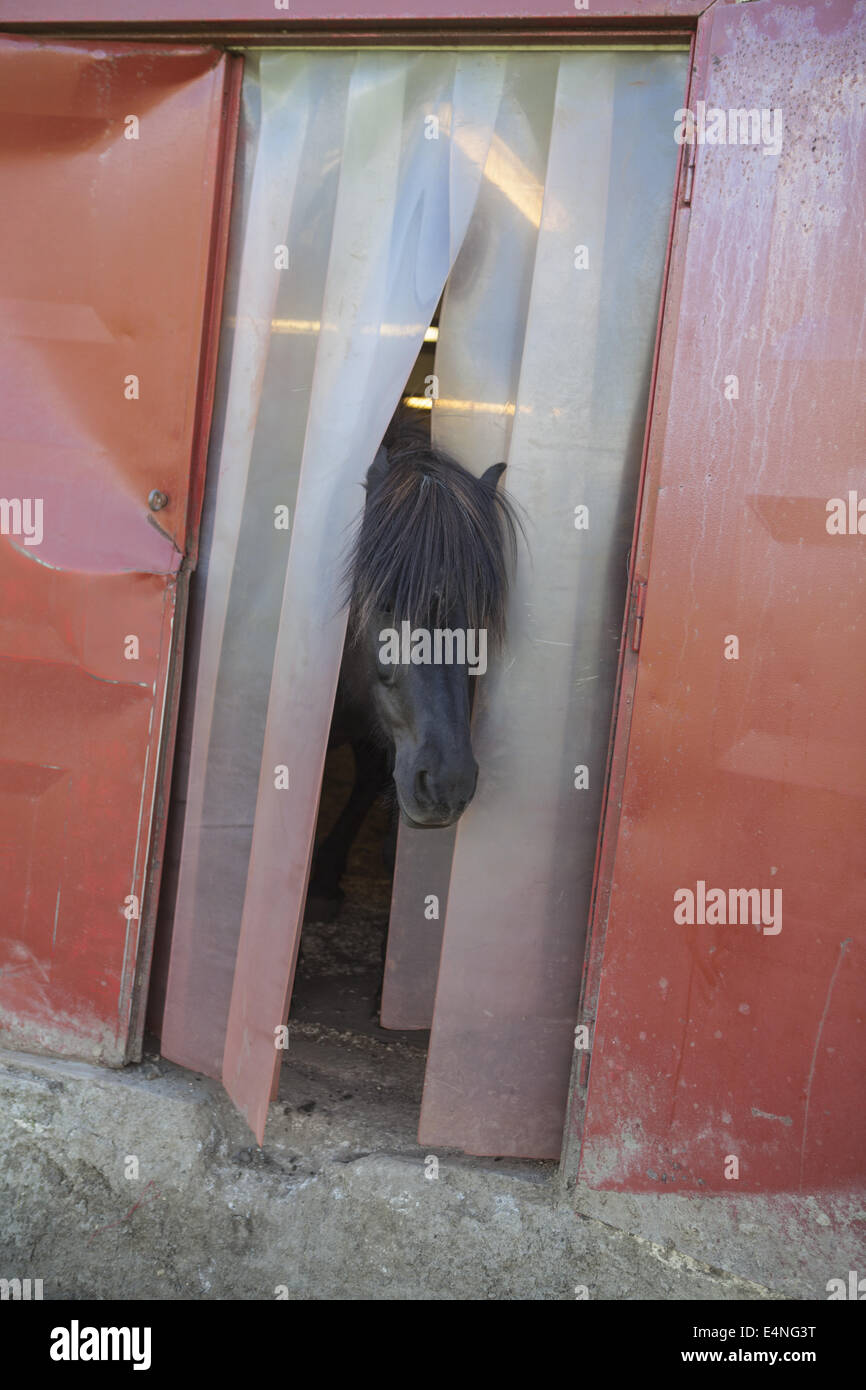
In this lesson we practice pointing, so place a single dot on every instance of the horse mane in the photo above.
(432, 537)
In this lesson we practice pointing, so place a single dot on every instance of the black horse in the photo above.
(433, 555)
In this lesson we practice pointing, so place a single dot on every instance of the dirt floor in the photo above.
(340, 964)
(336, 1046)
(340, 1061)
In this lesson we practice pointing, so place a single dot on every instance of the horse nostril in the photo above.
(421, 786)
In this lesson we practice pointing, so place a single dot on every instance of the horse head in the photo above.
(428, 579)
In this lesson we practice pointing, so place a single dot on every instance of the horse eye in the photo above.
(387, 673)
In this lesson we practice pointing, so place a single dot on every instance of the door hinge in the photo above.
(638, 599)
(689, 175)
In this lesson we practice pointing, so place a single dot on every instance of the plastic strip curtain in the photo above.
(478, 361)
(477, 373)
(345, 178)
(546, 342)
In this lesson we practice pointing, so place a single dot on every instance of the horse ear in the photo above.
(490, 477)
(378, 468)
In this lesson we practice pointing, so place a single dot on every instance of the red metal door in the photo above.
(111, 161)
(729, 1054)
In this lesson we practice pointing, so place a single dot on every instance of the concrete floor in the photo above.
(338, 1203)
(146, 1184)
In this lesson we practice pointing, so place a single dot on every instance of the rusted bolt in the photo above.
(157, 500)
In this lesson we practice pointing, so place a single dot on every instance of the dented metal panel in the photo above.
(729, 1054)
(108, 157)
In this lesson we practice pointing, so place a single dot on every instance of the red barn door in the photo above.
(111, 160)
(731, 1054)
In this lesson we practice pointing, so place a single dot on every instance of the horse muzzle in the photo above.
(434, 801)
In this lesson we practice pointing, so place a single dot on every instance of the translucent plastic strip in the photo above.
(204, 937)
(507, 995)
(403, 203)
(478, 357)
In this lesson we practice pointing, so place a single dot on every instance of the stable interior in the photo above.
(340, 964)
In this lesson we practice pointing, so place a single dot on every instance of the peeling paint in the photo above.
(764, 1115)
